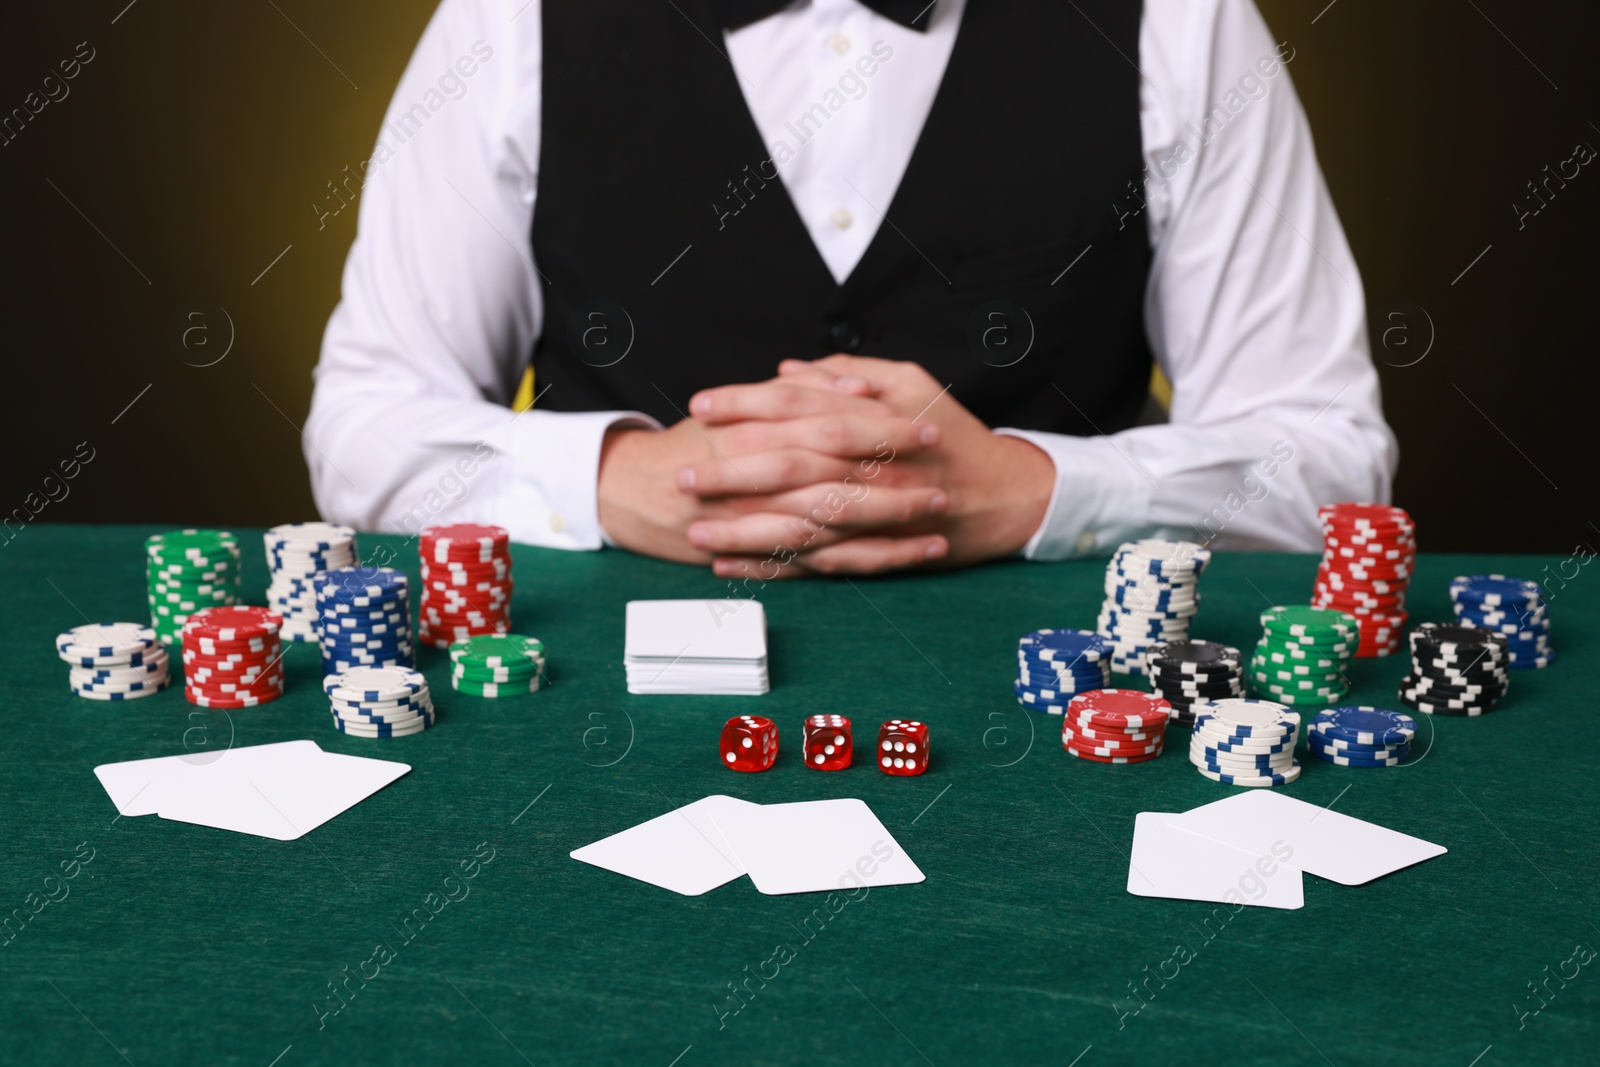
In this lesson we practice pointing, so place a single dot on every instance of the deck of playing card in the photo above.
(812, 846)
(710, 647)
(281, 791)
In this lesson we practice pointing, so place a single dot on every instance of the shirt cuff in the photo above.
(555, 459)
(1099, 501)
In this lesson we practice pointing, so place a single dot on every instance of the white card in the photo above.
(137, 787)
(1265, 822)
(815, 846)
(1169, 862)
(696, 629)
(284, 797)
(682, 850)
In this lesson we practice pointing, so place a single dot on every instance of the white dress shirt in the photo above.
(1254, 306)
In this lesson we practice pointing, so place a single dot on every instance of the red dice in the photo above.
(749, 743)
(903, 747)
(826, 742)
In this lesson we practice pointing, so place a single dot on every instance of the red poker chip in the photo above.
(206, 701)
(463, 541)
(434, 586)
(1092, 757)
(1353, 513)
(1103, 734)
(1143, 748)
(236, 623)
(258, 693)
(217, 686)
(210, 646)
(1340, 581)
(195, 655)
(499, 566)
(1128, 709)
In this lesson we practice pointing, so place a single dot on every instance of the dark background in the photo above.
(190, 150)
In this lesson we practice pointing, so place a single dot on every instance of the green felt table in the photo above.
(179, 944)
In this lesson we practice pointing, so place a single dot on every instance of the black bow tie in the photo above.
(735, 13)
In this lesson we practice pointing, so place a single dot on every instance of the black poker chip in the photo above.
(1191, 681)
(1422, 688)
(1450, 639)
(1433, 708)
(1201, 658)
(1460, 677)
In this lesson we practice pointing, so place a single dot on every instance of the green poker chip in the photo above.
(498, 650)
(187, 571)
(1311, 623)
(494, 674)
(494, 689)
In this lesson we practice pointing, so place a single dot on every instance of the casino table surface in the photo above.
(171, 943)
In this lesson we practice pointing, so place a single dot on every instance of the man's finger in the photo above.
(779, 400)
(847, 436)
(820, 515)
(769, 472)
(819, 377)
(857, 555)
(857, 506)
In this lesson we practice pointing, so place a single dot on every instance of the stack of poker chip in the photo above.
(188, 571)
(1455, 670)
(364, 619)
(497, 665)
(466, 583)
(1245, 742)
(1302, 655)
(296, 553)
(379, 701)
(114, 660)
(1513, 607)
(1115, 726)
(1053, 666)
(1152, 592)
(232, 657)
(1185, 673)
(1361, 736)
(1369, 552)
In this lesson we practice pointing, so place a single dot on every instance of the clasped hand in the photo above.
(847, 465)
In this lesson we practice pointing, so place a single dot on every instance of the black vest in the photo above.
(672, 258)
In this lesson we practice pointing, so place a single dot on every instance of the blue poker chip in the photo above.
(1342, 759)
(366, 643)
(1047, 695)
(364, 638)
(1068, 645)
(1495, 590)
(1364, 725)
(1395, 752)
(1043, 685)
(1079, 669)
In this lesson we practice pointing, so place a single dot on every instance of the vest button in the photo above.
(845, 337)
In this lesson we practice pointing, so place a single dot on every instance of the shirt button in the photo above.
(557, 523)
(841, 218)
(845, 336)
(1086, 542)
(839, 43)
